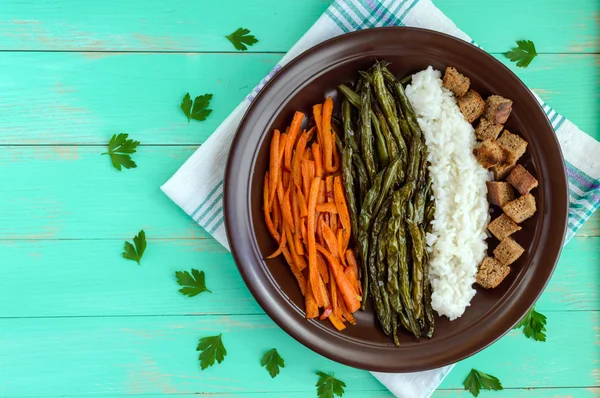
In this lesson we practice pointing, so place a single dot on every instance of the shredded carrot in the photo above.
(351, 297)
(337, 323)
(326, 135)
(316, 151)
(312, 246)
(326, 208)
(274, 168)
(294, 131)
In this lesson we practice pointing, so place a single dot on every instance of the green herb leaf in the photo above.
(136, 253)
(272, 361)
(211, 348)
(534, 325)
(241, 37)
(477, 380)
(328, 385)
(199, 110)
(119, 148)
(523, 54)
(193, 284)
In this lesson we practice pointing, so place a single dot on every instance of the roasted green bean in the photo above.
(417, 268)
(377, 268)
(366, 133)
(362, 177)
(382, 150)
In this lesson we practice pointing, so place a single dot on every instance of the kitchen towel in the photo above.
(197, 187)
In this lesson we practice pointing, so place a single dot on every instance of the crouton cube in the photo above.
(471, 105)
(503, 227)
(456, 81)
(488, 153)
(497, 109)
(508, 251)
(513, 145)
(487, 131)
(520, 209)
(522, 180)
(502, 170)
(499, 192)
(491, 272)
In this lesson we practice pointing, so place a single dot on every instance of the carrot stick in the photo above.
(326, 135)
(345, 313)
(321, 192)
(323, 270)
(298, 260)
(294, 131)
(287, 210)
(340, 203)
(351, 297)
(305, 178)
(276, 215)
(302, 203)
(310, 133)
(352, 270)
(295, 270)
(312, 309)
(296, 215)
(336, 155)
(274, 167)
(282, 244)
(267, 214)
(318, 115)
(303, 230)
(340, 245)
(323, 292)
(326, 313)
(326, 208)
(311, 169)
(297, 163)
(336, 322)
(316, 151)
(334, 297)
(313, 271)
(308, 154)
(320, 218)
(282, 143)
(285, 177)
(330, 240)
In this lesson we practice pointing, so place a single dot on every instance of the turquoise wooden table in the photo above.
(78, 320)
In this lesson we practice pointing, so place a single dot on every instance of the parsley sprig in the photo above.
(241, 38)
(328, 385)
(272, 361)
(211, 348)
(120, 148)
(476, 380)
(197, 109)
(136, 253)
(523, 54)
(533, 325)
(193, 284)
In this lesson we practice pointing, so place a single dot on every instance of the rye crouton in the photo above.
(502, 170)
(456, 81)
(522, 180)
(499, 192)
(503, 227)
(520, 209)
(488, 153)
(508, 251)
(491, 272)
(487, 131)
(513, 145)
(471, 105)
(497, 109)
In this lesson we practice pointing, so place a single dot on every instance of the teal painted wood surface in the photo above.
(78, 320)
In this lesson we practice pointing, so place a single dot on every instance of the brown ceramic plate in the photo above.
(306, 81)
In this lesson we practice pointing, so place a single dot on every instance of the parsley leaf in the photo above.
(211, 348)
(241, 37)
(199, 110)
(193, 284)
(328, 385)
(534, 325)
(477, 380)
(272, 361)
(119, 148)
(523, 54)
(136, 253)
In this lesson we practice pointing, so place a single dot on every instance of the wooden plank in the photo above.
(153, 355)
(74, 193)
(58, 103)
(155, 25)
(89, 278)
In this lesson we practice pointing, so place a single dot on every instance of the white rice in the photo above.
(457, 242)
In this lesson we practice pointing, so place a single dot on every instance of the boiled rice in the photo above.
(457, 242)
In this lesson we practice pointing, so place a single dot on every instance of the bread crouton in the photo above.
(520, 209)
(487, 131)
(508, 251)
(471, 105)
(502, 170)
(491, 272)
(488, 153)
(503, 227)
(522, 180)
(497, 109)
(456, 81)
(513, 145)
(499, 192)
